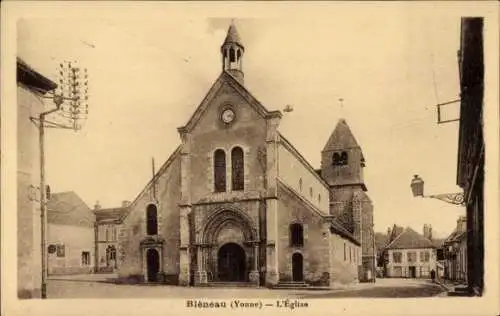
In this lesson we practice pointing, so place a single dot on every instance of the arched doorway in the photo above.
(297, 267)
(153, 262)
(231, 263)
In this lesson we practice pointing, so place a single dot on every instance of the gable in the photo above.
(226, 84)
(67, 208)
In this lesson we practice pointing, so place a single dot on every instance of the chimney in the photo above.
(388, 232)
(125, 203)
(428, 231)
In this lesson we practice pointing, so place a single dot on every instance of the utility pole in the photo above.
(71, 99)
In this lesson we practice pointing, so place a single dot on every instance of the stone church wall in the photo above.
(248, 131)
(345, 260)
(315, 250)
(303, 180)
(134, 227)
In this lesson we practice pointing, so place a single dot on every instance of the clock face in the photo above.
(227, 116)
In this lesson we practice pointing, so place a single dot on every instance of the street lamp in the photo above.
(417, 187)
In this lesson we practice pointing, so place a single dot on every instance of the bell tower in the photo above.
(342, 160)
(342, 164)
(232, 51)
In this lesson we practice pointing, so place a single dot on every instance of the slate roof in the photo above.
(410, 239)
(32, 78)
(342, 137)
(110, 214)
(455, 236)
(232, 36)
(67, 208)
(338, 229)
(438, 242)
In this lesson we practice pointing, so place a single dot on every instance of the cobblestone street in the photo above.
(92, 288)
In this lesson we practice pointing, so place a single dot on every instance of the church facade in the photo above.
(236, 202)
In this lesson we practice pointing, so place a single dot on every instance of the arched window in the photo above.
(311, 192)
(232, 55)
(108, 235)
(152, 220)
(339, 159)
(319, 198)
(296, 235)
(336, 159)
(238, 55)
(237, 165)
(343, 158)
(300, 184)
(220, 171)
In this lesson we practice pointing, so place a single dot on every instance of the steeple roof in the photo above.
(342, 137)
(232, 36)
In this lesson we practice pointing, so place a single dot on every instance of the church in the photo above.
(237, 203)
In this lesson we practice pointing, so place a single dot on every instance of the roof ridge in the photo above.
(397, 237)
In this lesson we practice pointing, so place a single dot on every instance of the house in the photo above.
(108, 224)
(455, 252)
(31, 87)
(470, 161)
(237, 202)
(410, 255)
(70, 235)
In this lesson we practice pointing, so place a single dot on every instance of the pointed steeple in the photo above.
(232, 51)
(341, 138)
(232, 36)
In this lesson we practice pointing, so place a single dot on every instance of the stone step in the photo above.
(455, 293)
(230, 284)
(292, 285)
(461, 288)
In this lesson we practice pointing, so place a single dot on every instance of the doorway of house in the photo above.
(413, 272)
(153, 263)
(231, 263)
(297, 267)
(111, 257)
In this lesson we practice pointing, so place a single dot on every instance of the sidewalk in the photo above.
(451, 287)
(89, 277)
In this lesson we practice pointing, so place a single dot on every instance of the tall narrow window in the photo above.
(237, 169)
(232, 55)
(152, 220)
(343, 158)
(220, 171)
(296, 235)
(85, 258)
(300, 184)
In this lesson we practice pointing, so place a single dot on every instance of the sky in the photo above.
(149, 69)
